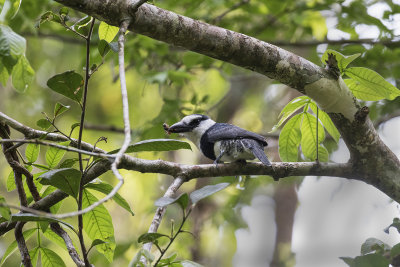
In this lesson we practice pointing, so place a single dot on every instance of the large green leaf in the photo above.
(155, 145)
(11, 44)
(107, 32)
(289, 139)
(22, 74)
(308, 138)
(290, 109)
(341, 59)
(369, 85)
(50, 258)
(13, 246)
(326, 122)
(32, 152)
(98, 225)
(206, 191)
(54, 155)
(67, 180)
(106, 189)
(69, 84)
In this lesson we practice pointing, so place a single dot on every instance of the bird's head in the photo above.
(192, 126)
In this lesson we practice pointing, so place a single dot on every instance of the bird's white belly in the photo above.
(233, 151)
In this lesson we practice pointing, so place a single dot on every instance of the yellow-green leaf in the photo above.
(368, 85)
(107, 32)
(98, 225)
(289, 139)
(309, 138)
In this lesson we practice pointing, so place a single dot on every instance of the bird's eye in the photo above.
(195, 121)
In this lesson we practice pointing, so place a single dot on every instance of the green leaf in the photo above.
(308, 138)
(156, 145)
(50, 258)
(343, 61)
(69, 84)
(103, 47)
(22, 74)
(10, 184)
(13, 246)
(5, 211)
(106, 189)
(29, 217)
(54, 238)
(290, 109)
(34, 254)
(374, 245)
(107, 32)
(395, 251)
(370, 260)
(55, 207)
(187, 263)
(96, 242)
(349, 261)
(11, 44)
(68, 163)
(67, 180)
(326, 122)
(44, 124)
(179, 77)
(206, 191)
(59, 109)
(48, 16)
(54, 155)
(369, 85)
(289, 139)
(98, 225)
(182, 200)
(150, 237)
(13, 9)
(3, 74)
(32, 152)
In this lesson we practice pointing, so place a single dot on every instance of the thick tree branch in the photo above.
(372, 160)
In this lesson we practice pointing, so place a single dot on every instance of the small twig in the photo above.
(81, 126)
(217, 19)
(172, 239)
(70, 149)
(176, 184)
(26, 258)
(56, 228)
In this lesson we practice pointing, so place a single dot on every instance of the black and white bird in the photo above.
(221, 141)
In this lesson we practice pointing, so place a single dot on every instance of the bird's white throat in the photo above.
(196, 133)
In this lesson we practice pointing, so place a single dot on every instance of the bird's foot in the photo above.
(241, 161)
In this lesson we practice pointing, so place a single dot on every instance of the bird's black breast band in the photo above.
(206, 146)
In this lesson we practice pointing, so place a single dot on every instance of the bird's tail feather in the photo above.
(258, 151)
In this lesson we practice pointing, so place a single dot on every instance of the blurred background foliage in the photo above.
(166, 83)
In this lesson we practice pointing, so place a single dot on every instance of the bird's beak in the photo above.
(179, 127)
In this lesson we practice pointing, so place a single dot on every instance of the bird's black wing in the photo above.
(223, 131)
